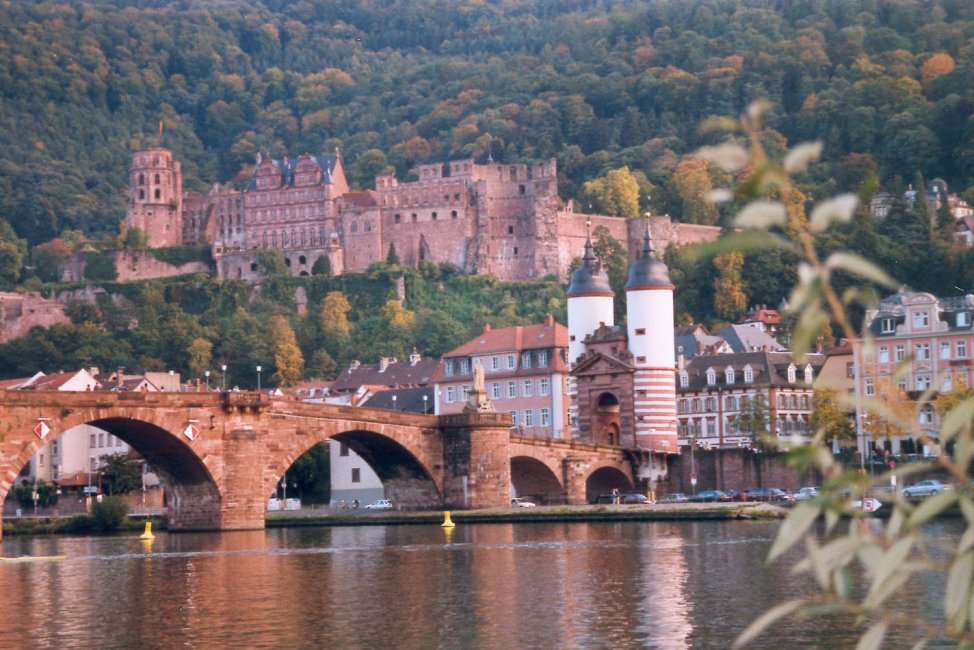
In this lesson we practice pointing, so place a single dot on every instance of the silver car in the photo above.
(806, 493)
(924, 488)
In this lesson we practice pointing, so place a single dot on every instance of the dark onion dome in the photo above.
(648, 271)
(590, 278)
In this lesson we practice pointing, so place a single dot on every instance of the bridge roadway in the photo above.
(220, 456)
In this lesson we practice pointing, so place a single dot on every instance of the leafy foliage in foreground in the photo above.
(859, 568)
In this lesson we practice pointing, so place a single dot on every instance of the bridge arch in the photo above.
(192, 489)
(603, 480)
(535, 478)
(409, 481)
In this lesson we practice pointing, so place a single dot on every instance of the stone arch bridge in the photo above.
(221, 455)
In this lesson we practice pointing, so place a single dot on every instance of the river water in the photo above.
(508, 586)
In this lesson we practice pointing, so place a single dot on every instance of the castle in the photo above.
(504, 220)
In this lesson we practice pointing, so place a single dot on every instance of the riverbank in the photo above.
(541, 514)
(80, 525)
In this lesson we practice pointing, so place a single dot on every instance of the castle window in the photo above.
(302, 260)
(515, 250)
(142, 194)
(433, 216)
(253, 267)
(287, 262)
(354, 227)
(397, 218)
(510, 230)
(157, 179)
(520, 188)
(141, 179)
(414, 217)
(158, 193)
(641, 331)
(453, 214)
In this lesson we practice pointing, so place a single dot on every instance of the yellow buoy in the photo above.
(447, 522)
(148, 531)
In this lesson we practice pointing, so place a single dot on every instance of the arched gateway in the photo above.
(220, 455)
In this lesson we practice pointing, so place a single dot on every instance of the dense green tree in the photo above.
(120, 473)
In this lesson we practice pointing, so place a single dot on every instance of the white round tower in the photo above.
(590, 302)
(650, 327)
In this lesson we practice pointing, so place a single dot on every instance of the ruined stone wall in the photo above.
(141, 265)
(737, 469)
(19, 312)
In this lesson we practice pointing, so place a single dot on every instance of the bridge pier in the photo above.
(244, 501)
(573, 478)
(476, 459)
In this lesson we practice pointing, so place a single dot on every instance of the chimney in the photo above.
(383, 363)
(354, 364)
(415, 357)
(486, 327)
(549, 320)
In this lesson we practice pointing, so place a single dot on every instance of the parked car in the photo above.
(733, 495)
(379, 504)
(634, 499)
(924, 488)
(673, 497)
(806, 493)
(521, 502)
(708, 496)
(603, 498)
(768, 495)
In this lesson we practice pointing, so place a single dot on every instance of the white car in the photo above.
(924, 488)
(521, 502)
(806, 493)
(380, 504)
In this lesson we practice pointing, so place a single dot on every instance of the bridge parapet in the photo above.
(477, 419)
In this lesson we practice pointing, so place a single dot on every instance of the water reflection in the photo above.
(620, 585)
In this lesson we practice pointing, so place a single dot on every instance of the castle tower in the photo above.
(155, 203)
(590, 304)
(649, 314)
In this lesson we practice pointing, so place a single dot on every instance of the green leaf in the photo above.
(859, 266)
(956, 605)
(797, 524)
(728, 156)
(931, 507)
(840, 208)
(761, 215)
(957, 419)
(873, 638)
(802, 156)
(765, 620)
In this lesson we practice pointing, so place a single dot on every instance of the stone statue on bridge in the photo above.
(477, 400)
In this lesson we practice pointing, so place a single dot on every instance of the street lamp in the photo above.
(223, 369)
(259, 368)
(393, 402)
(425, 397)
(206, 373)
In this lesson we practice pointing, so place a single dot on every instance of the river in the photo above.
(506, 586)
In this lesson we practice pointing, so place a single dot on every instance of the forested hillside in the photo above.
(599, 84)
(887, 86)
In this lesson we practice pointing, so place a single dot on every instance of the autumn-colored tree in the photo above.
(49, 258)
(730, 299)
(830, 416)
(890, 413)
(200, 353)
(936, 66)
(692, 183)
(287, 355)
(616, 193)
(333, 321)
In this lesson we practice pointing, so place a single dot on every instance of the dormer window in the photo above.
(464, 366)
(921, 319)
(808, 373)
(964, 319)
(791, 373)
(526, 360)
(748, 375)
(887, 326)
(729, 374)
(448, 368)
(684, 379)
(711, 376)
